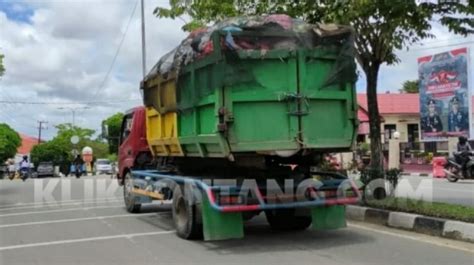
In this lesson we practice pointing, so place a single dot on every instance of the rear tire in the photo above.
(452, 179)
(452, 170)
(129, 198)
(287, 220)
(186, 215)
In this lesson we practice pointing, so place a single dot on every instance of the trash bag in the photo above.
(263, 34)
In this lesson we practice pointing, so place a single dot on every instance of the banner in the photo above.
(445, 99)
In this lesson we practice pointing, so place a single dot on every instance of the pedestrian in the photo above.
(78, 165)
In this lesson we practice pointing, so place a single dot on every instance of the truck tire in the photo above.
(129, 198)
(287, 219)
(186, 215)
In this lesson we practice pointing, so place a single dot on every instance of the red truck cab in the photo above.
(133, 150)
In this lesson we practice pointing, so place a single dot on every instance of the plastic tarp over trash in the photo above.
(295, 34)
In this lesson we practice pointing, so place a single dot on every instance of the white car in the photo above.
(103, 166)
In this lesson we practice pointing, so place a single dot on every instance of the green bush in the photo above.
(368, 175)
(112, 157)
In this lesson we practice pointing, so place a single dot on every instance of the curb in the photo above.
(416, 174)
(417, 223)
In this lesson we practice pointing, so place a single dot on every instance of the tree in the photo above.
(410, 86)
(100, 149)
(50, 152)
(381, 27)
(58, 150)
(9, 142)
(2, 68)
(66, 131)
(111, 131)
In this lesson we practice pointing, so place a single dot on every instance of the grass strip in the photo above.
(433, 209)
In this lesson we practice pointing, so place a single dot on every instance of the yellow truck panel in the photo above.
(161, 116)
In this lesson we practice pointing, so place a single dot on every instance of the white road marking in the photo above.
(447, 189)
(2, 206)
(77, 220)
(58, 205)
(61, 210)
(80, 240)
(441, 242)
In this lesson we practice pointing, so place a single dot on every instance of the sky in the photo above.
(59, 51)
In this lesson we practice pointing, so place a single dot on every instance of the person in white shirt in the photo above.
(24, 168)
(24, 164)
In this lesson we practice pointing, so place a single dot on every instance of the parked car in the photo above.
(45, 169)
(103, 166)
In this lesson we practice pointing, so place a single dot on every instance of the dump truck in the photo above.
(236, 122)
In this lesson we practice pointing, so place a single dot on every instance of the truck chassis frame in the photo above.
(220, 208)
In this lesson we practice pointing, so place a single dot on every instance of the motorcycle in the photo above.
(454, 170)
(11, 175)
(24, 173)
(78, 170)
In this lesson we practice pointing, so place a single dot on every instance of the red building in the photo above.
(399, 112)
(27, 143)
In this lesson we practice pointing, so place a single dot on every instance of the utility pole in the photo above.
(40, 127)
(143, 39)
(73, 117)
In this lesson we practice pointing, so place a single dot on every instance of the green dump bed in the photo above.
(273, 102)
(271, 86)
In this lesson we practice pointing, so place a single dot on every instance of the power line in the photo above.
(66, 103)
(102, 84)
(439, 41)
(442, 46)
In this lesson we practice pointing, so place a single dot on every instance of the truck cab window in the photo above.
(126, 128)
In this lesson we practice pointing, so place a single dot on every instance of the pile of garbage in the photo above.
(199, 43)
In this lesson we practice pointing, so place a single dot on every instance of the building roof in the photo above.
(394, 103)
(27, 143)
(362, 114)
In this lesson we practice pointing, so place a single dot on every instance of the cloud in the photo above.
(64, 52)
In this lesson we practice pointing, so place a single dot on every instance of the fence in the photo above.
(422, 153)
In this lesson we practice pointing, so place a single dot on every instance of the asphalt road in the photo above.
(79, 228)
(437, 190)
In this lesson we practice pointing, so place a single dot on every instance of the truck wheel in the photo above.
(287, 219)
(129, 198)
(186, 215)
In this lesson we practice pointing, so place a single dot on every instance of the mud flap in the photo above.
(220, 226)
(329, 217)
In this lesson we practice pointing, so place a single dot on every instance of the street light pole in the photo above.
(73, 117)
(73, 110)
(143, 39)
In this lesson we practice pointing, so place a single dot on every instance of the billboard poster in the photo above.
(444, 95)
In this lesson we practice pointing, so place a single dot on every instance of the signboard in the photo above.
(87, 154)
(444, 95)
(74, 139)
